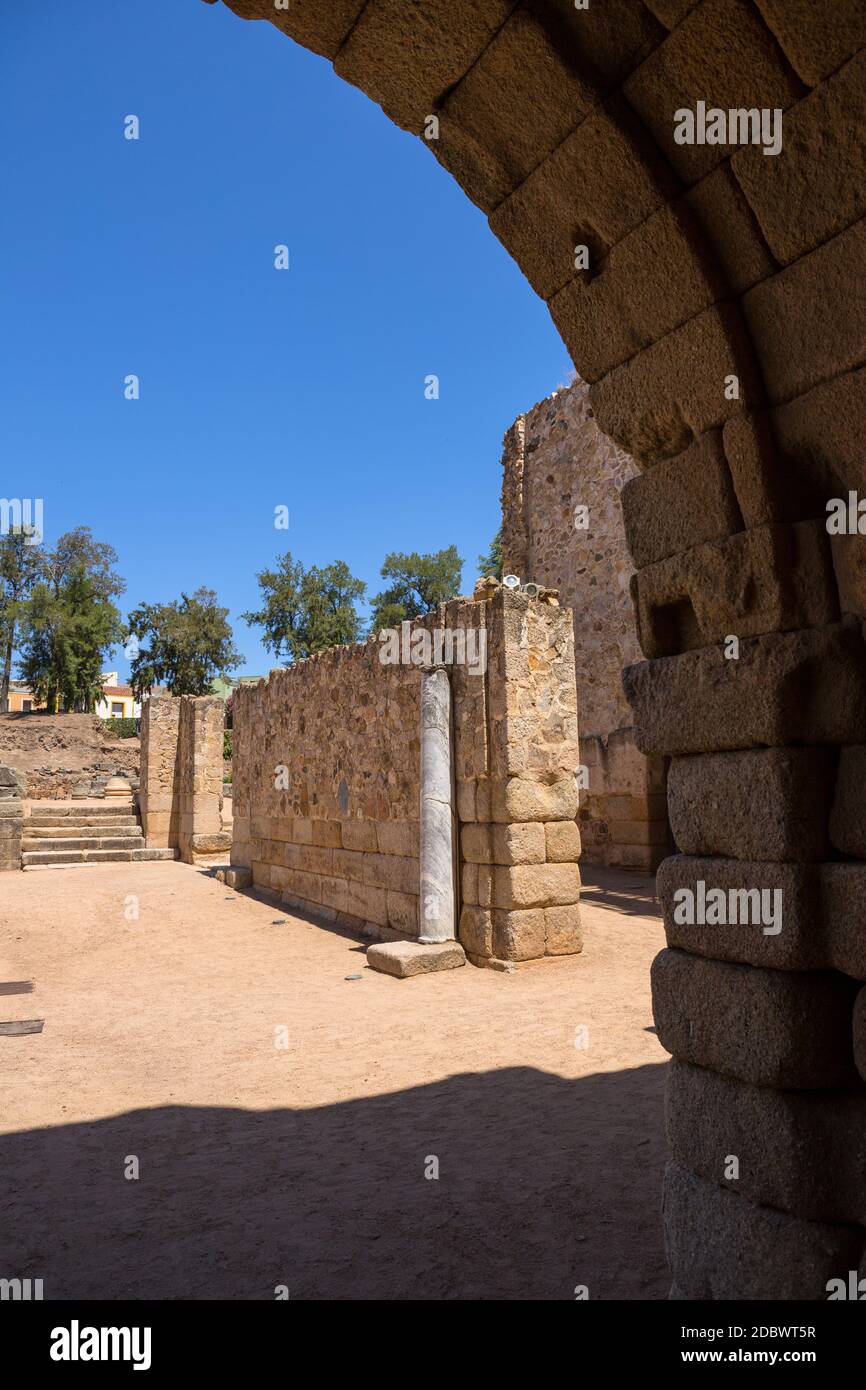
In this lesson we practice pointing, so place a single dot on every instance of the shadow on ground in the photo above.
(544, 1184)
(619, 890)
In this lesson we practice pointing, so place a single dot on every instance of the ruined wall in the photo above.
(158, 801)
(181, 774)
(58, 753)
(200, 776)
(12, 790)
(326, 782)
(555, 463)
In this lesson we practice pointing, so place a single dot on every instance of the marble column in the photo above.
(438, 920)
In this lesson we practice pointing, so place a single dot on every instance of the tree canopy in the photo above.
(419, 583)
(70, 622)
(305, 610)
(490, 565)
(20, 567)
(183, 645)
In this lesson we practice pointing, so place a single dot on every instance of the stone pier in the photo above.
(12, 789)
(181, 774)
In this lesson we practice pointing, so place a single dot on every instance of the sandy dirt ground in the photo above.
(282, 1117)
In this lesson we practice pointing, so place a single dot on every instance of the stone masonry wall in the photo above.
(181, 774)
(556, 460)
(12, 790)
(159, 801)
(200, 776)
(326, 783)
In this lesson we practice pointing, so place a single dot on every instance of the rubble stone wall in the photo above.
(563, 528)
(326, 782)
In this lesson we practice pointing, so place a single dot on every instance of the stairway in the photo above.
(60, 834)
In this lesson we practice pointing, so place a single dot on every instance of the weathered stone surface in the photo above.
(360, 835)
(787, 687)
(799, 1151)
(722, 54)
(319, 27)
(794, 319)
(476, 931)
(671, 12)
(768, 1027)
(731, 229)
(406, 56)
(479, 174)
(767, 579)
(521, 843)
(859, 1033)
(476, 844)
(821, 433)
(535, 885)
(849, 565)
(816, 38)
(327, 834)
(562, 930)
(238, 878)
(217, 843)
(848, 819)
(767, 486)
(524, 799)
(656, 404)
(562, 841)
(650, 283)
(764, 804)
(680, 503)
(721, 1246)
(395, 837)
(606, 166)
(404, 959)
(843, 911)
(555, 63)
(520, 934)
(821, 170)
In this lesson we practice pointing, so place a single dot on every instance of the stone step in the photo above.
(67, 826)
(91, 842)
(80, 832)
(67, 859)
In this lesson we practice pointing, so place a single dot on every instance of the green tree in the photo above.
(305, 610)
(70, 621)
(490, 565)
(20, 567)
(419, 583)
(183, 645)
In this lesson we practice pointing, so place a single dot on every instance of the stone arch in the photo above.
(721, 323)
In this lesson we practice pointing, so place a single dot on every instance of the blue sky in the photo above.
(259, 387)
